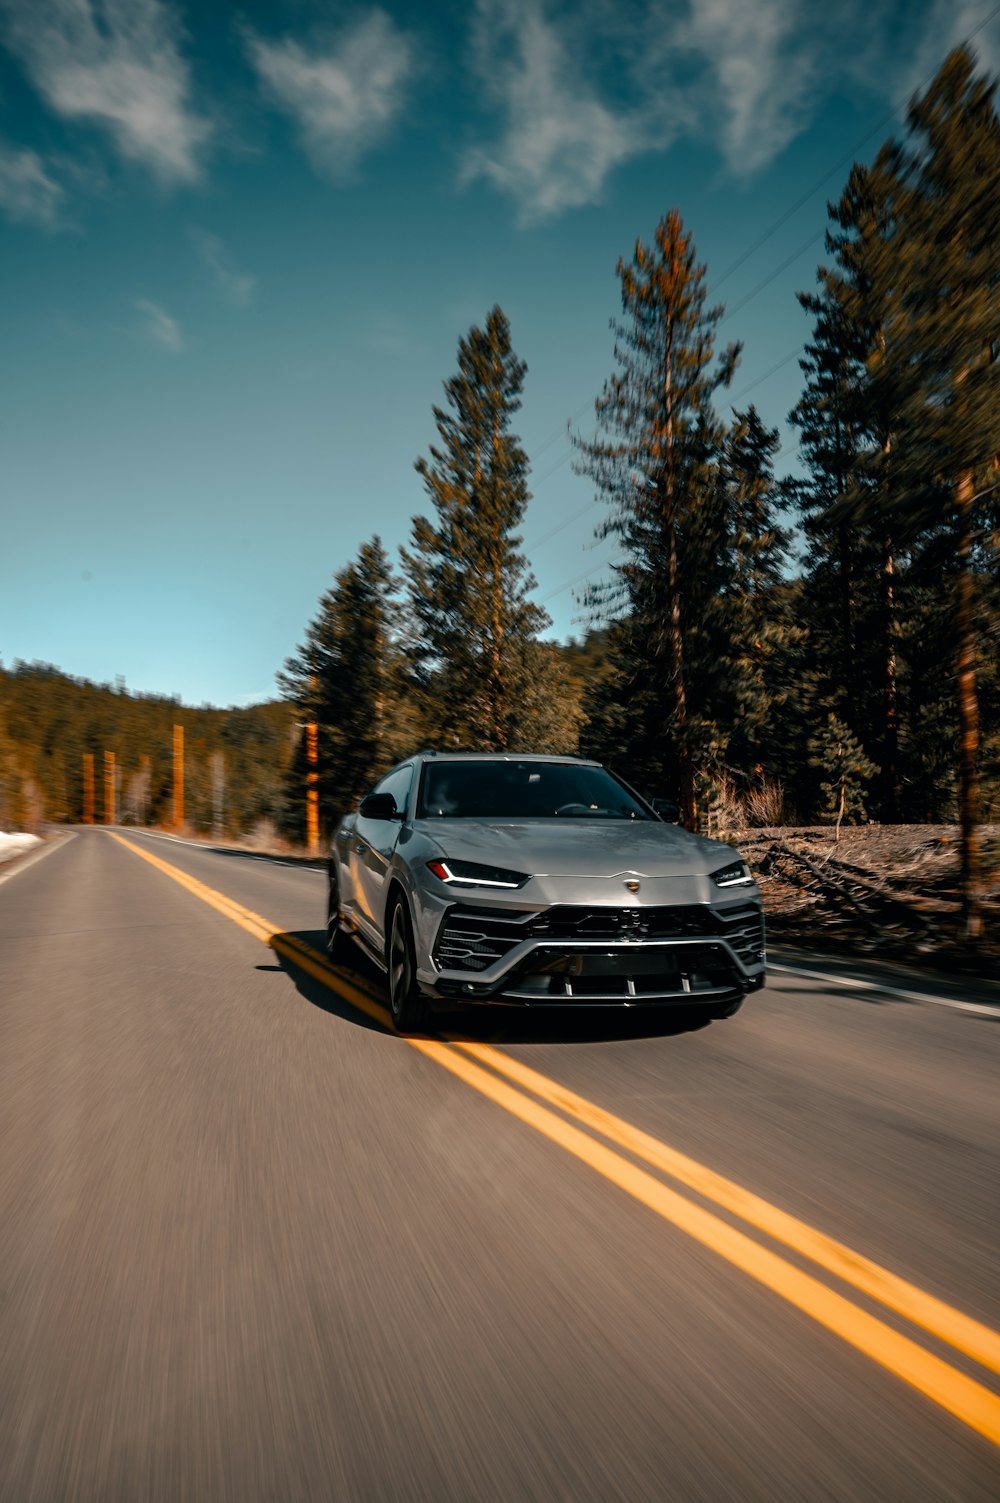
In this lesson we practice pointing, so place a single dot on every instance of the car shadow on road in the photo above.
(567, 1025)
(362, 978)
(304, 863)
(485, 1025)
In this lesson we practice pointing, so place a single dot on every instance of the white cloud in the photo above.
(763, 69)
(237, 286)
(116, 64)
(345, 98)
(27, 192)
(158, 325)
(583, 86)
(762, 58)
(560, 141)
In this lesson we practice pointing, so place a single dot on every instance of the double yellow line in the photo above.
(553, 1111)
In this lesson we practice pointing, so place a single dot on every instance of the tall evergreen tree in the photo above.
(868, 289)
(850, 415)
(661, 713)
(831, 450)
(347, 677)
(950, 248)
(759, 544)
(469, 584)
(845, 770)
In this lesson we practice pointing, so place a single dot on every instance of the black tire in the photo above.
(337, 938)
(408, 1008)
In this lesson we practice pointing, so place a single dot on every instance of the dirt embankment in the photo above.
(890, 889)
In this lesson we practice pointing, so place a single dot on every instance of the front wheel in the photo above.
(408, 1008)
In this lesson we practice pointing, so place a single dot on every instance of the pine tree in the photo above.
(868, 288)
(656, 461)
(759, 548)
(949, 248)
(851, 415)
(550, 711)
(836, 752)
(831, 448)
(471, 617)
(347, 677)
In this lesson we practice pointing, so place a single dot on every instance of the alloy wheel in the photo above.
(399, 962)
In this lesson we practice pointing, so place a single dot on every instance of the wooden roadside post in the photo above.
(109, 788)
(178, 810)
(312, 787)
(88, 788)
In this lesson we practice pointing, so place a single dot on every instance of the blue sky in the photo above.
(239, 244)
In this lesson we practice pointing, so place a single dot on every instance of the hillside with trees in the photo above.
(236, 761)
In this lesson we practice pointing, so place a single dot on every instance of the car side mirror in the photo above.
(377, 806)
(667, 808)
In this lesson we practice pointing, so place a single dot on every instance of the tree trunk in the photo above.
(968, 717)
(685, 770)
(761, 698)
(846, 610)
(688, 807)
(498, 706)
(890, 726)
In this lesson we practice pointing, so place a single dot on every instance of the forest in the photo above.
(817, 646)
(236, 760)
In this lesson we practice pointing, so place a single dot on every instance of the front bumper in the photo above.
(682, 955)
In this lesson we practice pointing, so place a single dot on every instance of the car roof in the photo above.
(461, 756)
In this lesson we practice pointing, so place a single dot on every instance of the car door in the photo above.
(372, 844)
(343, 848)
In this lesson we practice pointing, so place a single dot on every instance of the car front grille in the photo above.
(472, 939)
(743, 927)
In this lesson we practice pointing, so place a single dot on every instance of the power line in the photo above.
(559, 526)
(559, 433)
(563, 432)
(583, 510)
(768, 373)
(772, 276)
(730, 313)
(784, 218)
(587, 574)
(552, 468)
(801, 202)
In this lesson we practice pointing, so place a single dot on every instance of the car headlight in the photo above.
(471, 874)
(736, 874)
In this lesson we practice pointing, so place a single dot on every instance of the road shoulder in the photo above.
(890, 978)
(18, 864)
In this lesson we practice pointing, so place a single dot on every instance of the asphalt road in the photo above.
(255, 1246)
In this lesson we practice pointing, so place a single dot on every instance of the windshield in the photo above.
(523, 790)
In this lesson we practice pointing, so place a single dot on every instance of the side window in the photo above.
(398, 784)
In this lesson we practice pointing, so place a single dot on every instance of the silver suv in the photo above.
(538, 881)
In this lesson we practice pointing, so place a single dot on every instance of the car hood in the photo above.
(580, 848)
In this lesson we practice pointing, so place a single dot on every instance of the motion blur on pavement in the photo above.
(700, 1203)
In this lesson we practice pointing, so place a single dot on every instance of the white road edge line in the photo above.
(890, 991)
(201, 845)
(45, 850)
(982, 1009)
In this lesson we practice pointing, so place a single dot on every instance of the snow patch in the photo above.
(16, 845)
